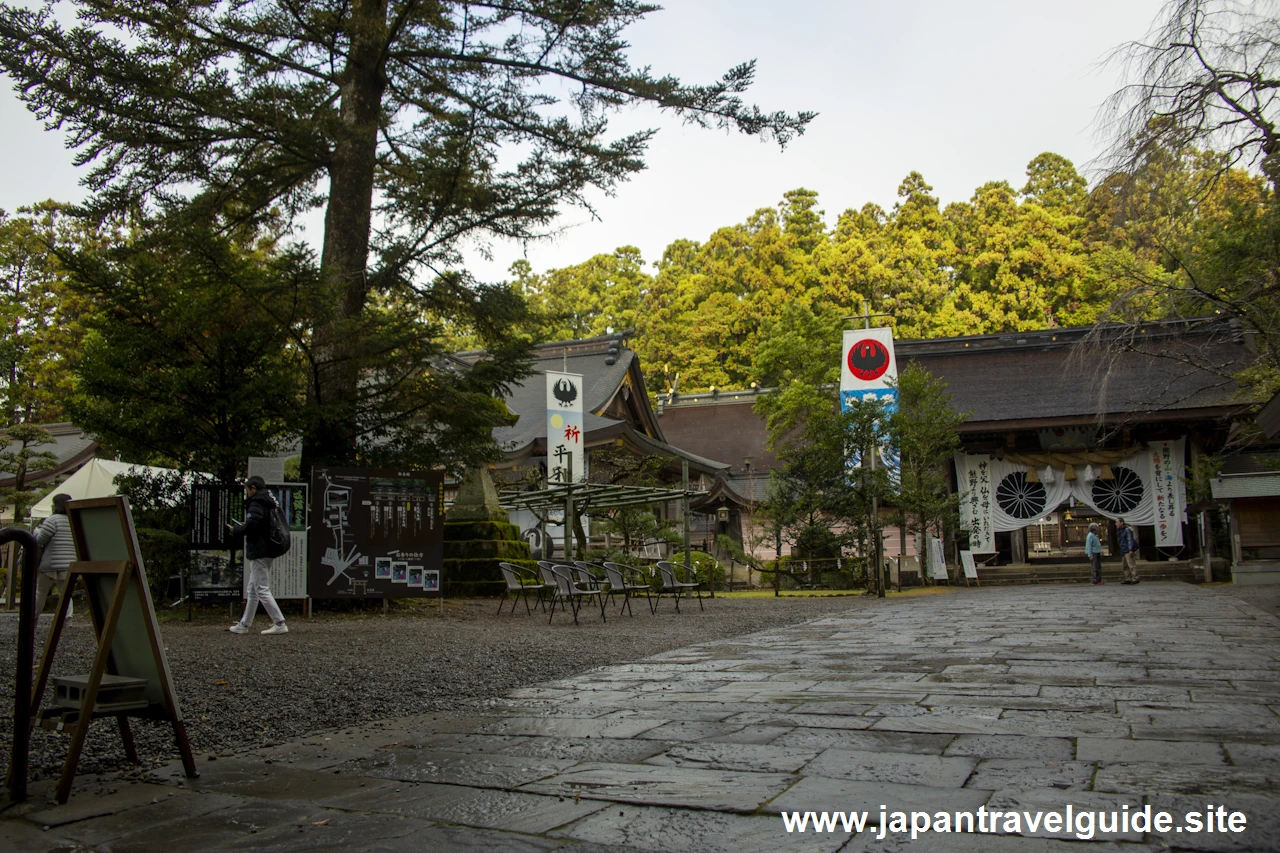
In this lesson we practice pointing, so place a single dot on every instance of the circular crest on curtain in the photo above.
(1120, 494)
(1019, 498)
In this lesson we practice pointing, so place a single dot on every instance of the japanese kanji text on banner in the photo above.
(976, 502)
(1168, 487)
(564, 428)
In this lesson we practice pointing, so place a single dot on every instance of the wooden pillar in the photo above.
(1018, 545)
(1206, 545)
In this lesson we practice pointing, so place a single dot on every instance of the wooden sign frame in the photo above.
(970, 568)
(124, 620)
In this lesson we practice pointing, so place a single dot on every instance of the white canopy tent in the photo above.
(95, 480)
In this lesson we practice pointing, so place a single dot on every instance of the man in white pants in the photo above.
(256, 525)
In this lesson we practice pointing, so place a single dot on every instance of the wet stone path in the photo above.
(1022, 699)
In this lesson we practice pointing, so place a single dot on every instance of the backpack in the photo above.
(277, 541)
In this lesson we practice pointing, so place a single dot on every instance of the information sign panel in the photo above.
(376, 533)
(213, 507)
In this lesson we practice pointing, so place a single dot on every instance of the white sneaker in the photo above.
(238, 629)
(277, 629)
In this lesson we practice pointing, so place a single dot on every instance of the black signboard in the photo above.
(213, 507)
(376, 533)
(216, 572)
(215, 594)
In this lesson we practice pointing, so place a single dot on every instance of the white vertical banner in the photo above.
(937, 560)
(867, 367)
(564, 428)
(977, 502)
(1167, 486)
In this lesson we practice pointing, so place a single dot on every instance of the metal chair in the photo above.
(549, 583)
(519, 581)
(590, 575)
(618, 584)
(667, 569)
(568, 591)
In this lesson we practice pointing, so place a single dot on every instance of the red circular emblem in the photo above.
(868, 359)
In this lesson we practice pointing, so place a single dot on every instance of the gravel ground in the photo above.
(246, 691)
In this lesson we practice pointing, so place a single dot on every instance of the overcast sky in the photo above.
(963, 93)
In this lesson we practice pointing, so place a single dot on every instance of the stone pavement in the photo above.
(1015, 698)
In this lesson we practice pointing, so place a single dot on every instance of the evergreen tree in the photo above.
(391, 114)
(924, 431)
(19, 456)
(193, 354)
(602, 295)
(38, 328)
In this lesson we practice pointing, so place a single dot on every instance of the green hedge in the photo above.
(164, 554)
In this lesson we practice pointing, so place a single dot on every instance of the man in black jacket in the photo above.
(256, 525)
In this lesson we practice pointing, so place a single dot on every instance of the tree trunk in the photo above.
(580, 535)
(332, 387)
(19, 487)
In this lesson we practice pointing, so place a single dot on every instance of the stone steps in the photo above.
(1180, 570)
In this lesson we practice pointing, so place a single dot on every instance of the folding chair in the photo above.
(617, 574)
(549, 582)
(667, 569)
(590, 575)
(519, 581)
(567, 590)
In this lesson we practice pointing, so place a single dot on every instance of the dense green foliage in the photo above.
(188, 354)
(764, 300)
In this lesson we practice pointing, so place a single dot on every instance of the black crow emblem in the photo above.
(565, 391)
(868, 359)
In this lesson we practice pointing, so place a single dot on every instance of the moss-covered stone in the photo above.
(477, 499)
(472, 550)
(474, 578)
(468, 530)
(476, 549)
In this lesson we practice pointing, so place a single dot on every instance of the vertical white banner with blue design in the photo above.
(564, 428)
(868, 366)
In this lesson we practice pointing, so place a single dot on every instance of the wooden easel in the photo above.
(124, 621)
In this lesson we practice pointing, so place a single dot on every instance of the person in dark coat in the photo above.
(258, 506)
(1128, 551)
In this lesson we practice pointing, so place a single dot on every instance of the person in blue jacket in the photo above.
(1093, 550)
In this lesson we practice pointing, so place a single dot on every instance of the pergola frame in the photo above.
(596, 496)
(593, 496)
